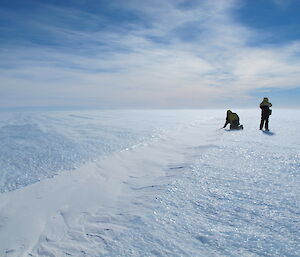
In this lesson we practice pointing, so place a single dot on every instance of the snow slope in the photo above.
(178, 187)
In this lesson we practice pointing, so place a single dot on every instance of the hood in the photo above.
(266, 100)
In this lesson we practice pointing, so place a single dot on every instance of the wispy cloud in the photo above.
(160, 54)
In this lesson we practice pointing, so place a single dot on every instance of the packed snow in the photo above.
(149, 183)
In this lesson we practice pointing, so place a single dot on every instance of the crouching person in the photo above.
(234, 121)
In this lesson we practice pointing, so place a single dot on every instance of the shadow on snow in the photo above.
(269, 133)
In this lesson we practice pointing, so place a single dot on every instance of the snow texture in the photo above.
(149, 183)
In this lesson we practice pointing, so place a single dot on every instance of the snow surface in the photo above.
(149, 183)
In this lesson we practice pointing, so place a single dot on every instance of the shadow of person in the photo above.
(269, 133)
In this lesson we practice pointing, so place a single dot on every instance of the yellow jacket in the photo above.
(232, 118)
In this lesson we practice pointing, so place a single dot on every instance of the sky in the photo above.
(150, 53)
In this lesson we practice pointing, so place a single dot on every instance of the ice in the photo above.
(38, 145)
(153, 183)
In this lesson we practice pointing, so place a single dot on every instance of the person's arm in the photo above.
(270, 105)
(226, 123)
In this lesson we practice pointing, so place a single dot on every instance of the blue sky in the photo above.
(149, 54)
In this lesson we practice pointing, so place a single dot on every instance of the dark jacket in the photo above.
(265, 108)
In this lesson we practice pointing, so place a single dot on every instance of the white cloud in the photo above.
(215, 67)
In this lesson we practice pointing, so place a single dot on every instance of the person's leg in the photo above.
(234, 125)
(267, 124)
(261, 123)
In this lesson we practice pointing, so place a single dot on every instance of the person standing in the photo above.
(265, 113)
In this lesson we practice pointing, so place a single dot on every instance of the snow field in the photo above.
(193, 191)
